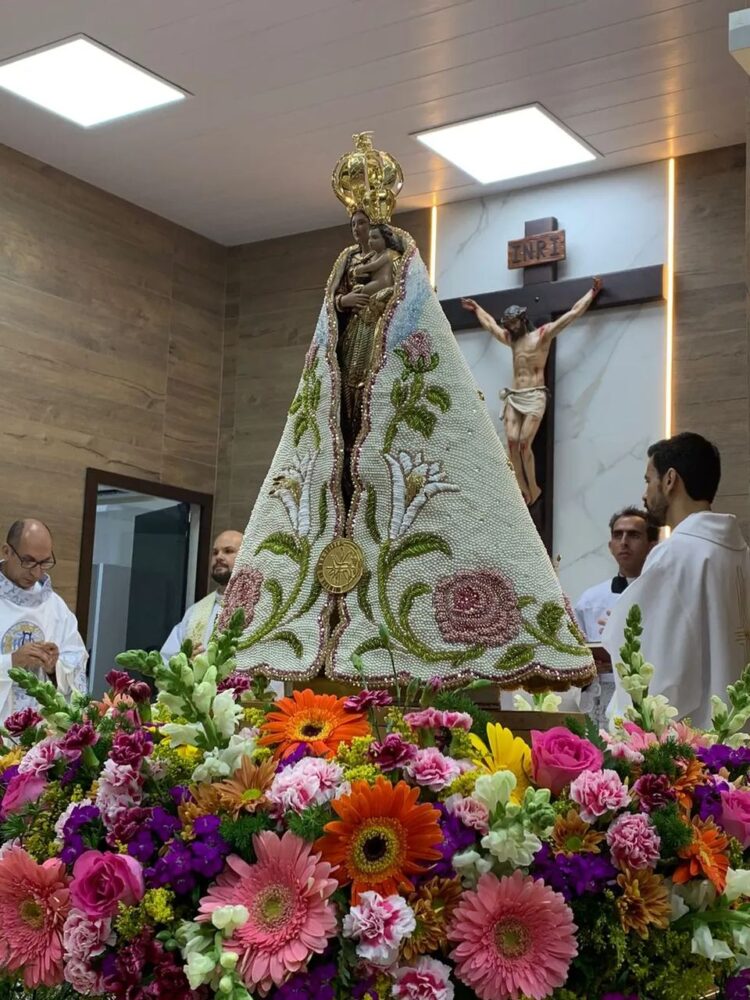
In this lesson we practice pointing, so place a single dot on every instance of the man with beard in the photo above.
(199, 620)
(524, 404)
(694, 591)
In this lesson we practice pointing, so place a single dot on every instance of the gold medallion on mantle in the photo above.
(340, 566)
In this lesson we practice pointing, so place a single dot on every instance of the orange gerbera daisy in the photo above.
(704, 855)
(688, 781)
(382, 837)
(318, 720)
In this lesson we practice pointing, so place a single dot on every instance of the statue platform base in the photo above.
(486, 698)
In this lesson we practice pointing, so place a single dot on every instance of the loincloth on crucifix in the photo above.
(531, 401)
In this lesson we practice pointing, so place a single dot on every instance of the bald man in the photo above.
(199, 620)
(37, 630)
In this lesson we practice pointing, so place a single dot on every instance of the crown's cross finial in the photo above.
(368, 180)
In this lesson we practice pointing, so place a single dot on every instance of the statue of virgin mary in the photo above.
(390, 536)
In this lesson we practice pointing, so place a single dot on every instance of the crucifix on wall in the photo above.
(529, 319)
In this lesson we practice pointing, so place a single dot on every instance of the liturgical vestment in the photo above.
(694, 595)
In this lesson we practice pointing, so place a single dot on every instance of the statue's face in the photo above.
(376, 241)
(360, 228)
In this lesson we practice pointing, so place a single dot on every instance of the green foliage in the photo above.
(291, 640)
(672, 829)
(362, 599)
(310, 822)
(281, 543)
(239, 832)
(371, 511)
(409, 596)
(418, 543)
(664, 758)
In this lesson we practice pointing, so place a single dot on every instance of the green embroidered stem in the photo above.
(305, 406)
(553, 642)
(278, 617)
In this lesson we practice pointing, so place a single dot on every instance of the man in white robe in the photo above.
(694, 589)
(38, 632)
(198, 621)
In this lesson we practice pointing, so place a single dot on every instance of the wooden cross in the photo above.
(743, 633)
(546, 298)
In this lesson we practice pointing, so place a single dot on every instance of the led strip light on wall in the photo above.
(669, 296)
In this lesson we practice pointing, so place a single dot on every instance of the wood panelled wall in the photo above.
(274, 294)
(111, 326)
(711, 335)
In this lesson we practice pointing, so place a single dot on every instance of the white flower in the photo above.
(226, 713)
(678, 904)
(738, 884)
(222, 763)
(379, 924)
(704, 944)
(699, 894)
(199, 969)
(205, 692)
(174, 703)
(229, 918)
(292, 486)
(183, 734)
(494, 789)
(547, 701)
(470, 866)
(513, 844)
(413, 482)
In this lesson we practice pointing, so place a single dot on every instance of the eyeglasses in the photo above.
(28, 563)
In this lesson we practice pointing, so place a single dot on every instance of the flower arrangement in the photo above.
(220, 844)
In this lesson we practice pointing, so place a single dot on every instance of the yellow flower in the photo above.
(505, 752)
(644, 902)
(11, 758)
(571, 835)
(157, 904)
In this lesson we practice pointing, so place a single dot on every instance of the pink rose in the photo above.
(559, 756)
(735, 814)
(101, 881)
(432, 769)
(22, 788)
(427, 979)
(597, 793)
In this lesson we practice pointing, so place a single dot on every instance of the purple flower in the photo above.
(366, 700)
(708, 798)
(8, 774)
(237, 682)
(654, 791)
(738, 987)
(78, 737)
(456, 838)
(163, 825)
(73, 841)
(142, 846)
(294, 757)
(720, 756)
(393, 752)
(19, 722)
(573, 875)
(620, 996)
(180, 794)
(131, 748)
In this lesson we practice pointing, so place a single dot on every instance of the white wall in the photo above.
(609, 395)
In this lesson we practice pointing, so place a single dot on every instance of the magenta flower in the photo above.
(477, 607)
(633, 841)
(366, 700)
(19, 722)
(393, 752)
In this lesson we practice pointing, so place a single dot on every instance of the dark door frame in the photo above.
(99, 477)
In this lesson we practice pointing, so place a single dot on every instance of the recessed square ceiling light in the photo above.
(85, 82)
(509, 144)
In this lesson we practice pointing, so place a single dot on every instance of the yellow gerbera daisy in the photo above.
(503, 752)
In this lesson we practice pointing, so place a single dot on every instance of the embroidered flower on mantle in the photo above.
(292, 487)
(477, 607)
(418, 350)
(243, 591)
(413, 481)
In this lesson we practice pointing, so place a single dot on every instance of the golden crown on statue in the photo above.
(368, 179)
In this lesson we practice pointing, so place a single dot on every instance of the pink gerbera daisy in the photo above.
(34, 902)
(515, 937)
(286, 894)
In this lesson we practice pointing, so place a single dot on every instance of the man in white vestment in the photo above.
(693, 592)
(632, 535)
(198, 621)
(38, 632)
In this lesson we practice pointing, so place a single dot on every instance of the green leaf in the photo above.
(398, 393)
(296, 404)
(516, 656)
(322, 510)
(524, 602)
(300, 426)
(311, 598)
(409, 596)
(439, 397)
(277, 594)
(291, 640)
(371, 511)
(362, 599)
(315, 395)
(369, 645)
(417, 388)
(419, 544)
(420, 419)
(434, 362)
(281, 543)
(550, 617)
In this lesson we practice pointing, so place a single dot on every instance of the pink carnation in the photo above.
(83, 940)
(432, 769)
(633, 841)
(310, 782)
(41, 757)
(471, 813)
(597, 793)
(379, 925)
(118, 791)
(623, 751)
(22, 789)
(433, 718)
(427, 979)
(393, 752)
